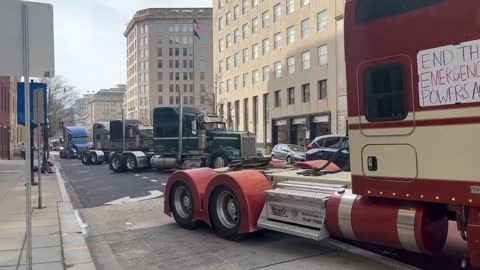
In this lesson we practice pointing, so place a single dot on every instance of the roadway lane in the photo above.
(96, 185)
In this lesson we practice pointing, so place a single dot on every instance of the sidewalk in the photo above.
(56, 233)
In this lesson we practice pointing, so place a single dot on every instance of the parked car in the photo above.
(288, 152)
(324, 147)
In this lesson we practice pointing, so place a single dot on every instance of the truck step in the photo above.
(314, 234)
(298, 208)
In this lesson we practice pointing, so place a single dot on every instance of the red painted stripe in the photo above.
(331, 216)
(418, 123)
(448, 191)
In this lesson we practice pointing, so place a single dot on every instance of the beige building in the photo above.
(104, 106)
(164, 57)
(281, 64)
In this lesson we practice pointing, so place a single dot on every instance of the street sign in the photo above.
(41, 41)
(34, 88)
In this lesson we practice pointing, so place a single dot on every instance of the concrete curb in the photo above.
(75, 250)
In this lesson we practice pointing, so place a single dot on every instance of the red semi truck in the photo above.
(413, 85)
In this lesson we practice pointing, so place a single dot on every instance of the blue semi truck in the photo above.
(74, 142)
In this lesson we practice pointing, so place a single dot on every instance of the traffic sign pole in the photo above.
(28, 152)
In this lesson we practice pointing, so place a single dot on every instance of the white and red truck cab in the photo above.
(413, 86)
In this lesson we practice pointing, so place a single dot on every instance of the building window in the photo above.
(220, 66)
(254, 3)
(220, 45)
(177, 51)
(177, 64)
(160, 52)
(185, 88)
(220, 86)
(244, 7)
(306, 60)
(322, 55)
(245, 80)
(290, 35)
(278, 70)
(236, 60)
(305, 28)
(171, 100)
(385, 93)
(202, 64)
(322, 18)
(220, 3)
(170, 88)
(229, 85)
(177, 76)
(170, 51)
(160, 88)
(245, 56)
(160, 76)
(245, 114)
(265, 19)
(305, 2)
(277, 12)
(236, 12)
(220, 23)
(306, 93)
(291, 65)
(229, 63)
(160, 100)
(254, 25)
(322, 89)
(236, 82)
(203, 52)
(185, 76)
(255, 51)
(236, 36)
(290, 6)
(266, 74)
(278, 98)
(202, 76)
(170, 76)
(265, 46)
(159, 27)
(160, 63)
(228, 18)
(245, 31)
(229, 41)
(255, 77)
(291, 95)
(277, 41)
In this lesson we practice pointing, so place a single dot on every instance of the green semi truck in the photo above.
(205, 142)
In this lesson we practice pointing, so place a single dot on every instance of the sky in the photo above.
(89, 42)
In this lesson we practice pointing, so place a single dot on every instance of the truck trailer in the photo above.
(74, 142)
(413, 84)
(108, 139)
(205, 141)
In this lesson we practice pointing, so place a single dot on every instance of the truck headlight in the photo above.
(61, 148)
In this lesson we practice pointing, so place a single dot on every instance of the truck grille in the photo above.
(249, 145)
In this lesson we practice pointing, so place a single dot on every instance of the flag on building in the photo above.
(196, 28)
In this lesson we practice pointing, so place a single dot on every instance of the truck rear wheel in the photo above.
(94, 158)
(131, 163)
(182, 205)
(117, 163)
(86, 158)
(225, 212)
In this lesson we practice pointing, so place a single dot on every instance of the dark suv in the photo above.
(324, 147)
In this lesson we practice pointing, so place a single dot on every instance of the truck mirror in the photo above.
(194, 127)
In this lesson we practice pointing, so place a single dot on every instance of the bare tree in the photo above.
(212, 98)
(61, 97)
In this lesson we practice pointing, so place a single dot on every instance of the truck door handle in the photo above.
(372, 164)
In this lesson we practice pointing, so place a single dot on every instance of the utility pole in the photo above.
(180, 127)
(123, 128)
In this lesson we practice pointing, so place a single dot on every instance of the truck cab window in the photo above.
(368, 11)
(385, 92)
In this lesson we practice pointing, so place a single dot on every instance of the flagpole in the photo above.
(193, 56)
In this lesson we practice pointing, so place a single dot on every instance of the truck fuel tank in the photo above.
(163, 163)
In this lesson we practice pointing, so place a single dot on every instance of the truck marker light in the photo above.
(408, 195)
(394, 194)
(436, 197)
(470, 200)
(369, 192)
(381, 192)
(421, 196)
(453, 199)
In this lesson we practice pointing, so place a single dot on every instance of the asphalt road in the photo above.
(97, 185)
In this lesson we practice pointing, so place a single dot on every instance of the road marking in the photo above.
(136, 174)
(153, 180)
(83, 171)
(121, 201)
(164, 184)
(144, 177)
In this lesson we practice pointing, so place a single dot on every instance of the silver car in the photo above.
(289, 152)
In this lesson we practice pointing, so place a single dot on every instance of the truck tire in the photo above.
(94, 158)
(117, 163)
(182, 205)
(131, 163)
(225, 213)
(219, 161)
(86, 158)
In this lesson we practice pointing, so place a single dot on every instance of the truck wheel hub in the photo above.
(227, 209)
